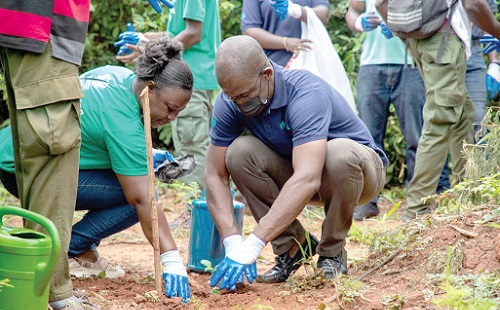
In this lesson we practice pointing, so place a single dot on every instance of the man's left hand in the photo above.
(240, 260)
(493, 80)
(156, 4)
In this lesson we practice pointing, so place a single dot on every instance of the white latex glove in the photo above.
(247, 251)
(172, 263)
(231, 242)
(294, 10)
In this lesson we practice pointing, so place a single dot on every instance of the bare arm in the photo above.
(308, 161)
(219, 200)
(480, 14)
(321, 11)
(492, 56)
(381, 6)
(356, 8)
(136, 191)
(191, 35)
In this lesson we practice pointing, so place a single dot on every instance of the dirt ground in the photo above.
(399, 283)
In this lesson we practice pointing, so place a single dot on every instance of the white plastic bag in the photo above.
(322, 59)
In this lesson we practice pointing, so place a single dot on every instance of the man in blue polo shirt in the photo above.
(306, 143)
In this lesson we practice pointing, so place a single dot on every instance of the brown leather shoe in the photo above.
(285, 264)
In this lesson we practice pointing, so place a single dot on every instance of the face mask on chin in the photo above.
(255, 106)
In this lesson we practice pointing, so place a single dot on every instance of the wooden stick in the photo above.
(152, 193)
(388, 259)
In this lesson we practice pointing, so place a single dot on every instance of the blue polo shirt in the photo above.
(261, 14)
(305, 108)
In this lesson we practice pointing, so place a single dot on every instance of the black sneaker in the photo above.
(331, 267)
(285, 264)
(365, 211)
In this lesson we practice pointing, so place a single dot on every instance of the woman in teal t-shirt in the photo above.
(113, 180)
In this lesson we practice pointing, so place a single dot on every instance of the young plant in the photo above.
(307, 258)
(463, 298)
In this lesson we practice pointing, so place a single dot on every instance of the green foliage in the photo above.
(466, 298)
(192, 190)
(108, 19)
(230, 13)
(208, 265)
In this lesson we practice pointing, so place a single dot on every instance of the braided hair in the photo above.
(162, 63)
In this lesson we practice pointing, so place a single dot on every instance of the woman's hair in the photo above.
(162, 63)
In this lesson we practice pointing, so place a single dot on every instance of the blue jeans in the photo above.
(475, 81)
(109, 212)
(378, 87)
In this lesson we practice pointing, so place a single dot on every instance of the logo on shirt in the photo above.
(214, 122)
(284, 126)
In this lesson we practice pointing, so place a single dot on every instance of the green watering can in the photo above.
(28, 259)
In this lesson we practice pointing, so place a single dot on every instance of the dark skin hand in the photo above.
(356, 8)
(271, 41)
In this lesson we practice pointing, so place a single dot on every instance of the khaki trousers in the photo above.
(190, 133)
(44, 107)
(353, 174)
(448, 117)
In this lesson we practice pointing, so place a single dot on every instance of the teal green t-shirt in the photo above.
(6, 151)
(112, 128)
(200, 57)
(377, 49)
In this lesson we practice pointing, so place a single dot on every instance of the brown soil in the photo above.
(401, 283)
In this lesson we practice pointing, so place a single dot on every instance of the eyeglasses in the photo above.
(245, 97)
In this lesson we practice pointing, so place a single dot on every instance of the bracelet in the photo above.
(284, 44)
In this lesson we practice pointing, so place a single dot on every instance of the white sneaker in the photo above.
(81, 269)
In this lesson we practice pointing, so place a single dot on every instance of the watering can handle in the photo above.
(43, 271)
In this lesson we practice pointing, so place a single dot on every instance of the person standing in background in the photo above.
(448, 112)
(279, 38)
(387, 76)
(477, 72)
(41, 47)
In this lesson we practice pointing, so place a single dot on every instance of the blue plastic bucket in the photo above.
(204, 240)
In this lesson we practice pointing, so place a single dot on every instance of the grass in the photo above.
(467, 298)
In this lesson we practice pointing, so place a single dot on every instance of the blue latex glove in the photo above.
(231, 242)
(156, 4)
(491, 43)
(177, 286)
(368, 21)
(175, 276)
(493, 80)
(286, 7)
(160, 156)
(239, 261)
(228, 273)
(385, 30)
(129, 37)
(281, 8)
